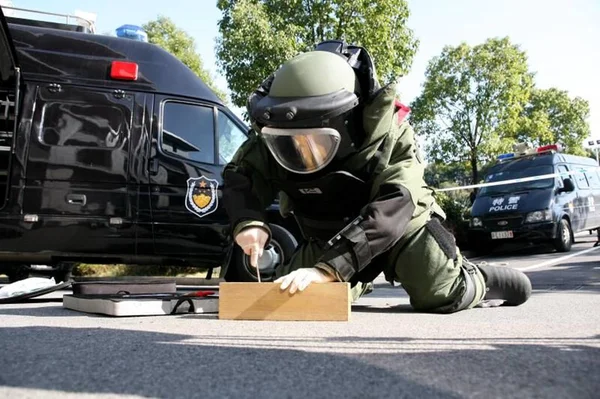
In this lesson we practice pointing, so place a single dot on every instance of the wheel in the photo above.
(280, 249)
(564, 238)
(15, 272)
(63, 272)
(484, 246)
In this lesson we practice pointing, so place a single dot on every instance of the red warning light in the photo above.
(551, 147)
(124, 70)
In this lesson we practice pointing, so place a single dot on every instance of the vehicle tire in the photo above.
(280, 249)
(16, 272)
(484, 247)
(564, 236)
(63, 272)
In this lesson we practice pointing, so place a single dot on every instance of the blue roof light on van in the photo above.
(132, 32)
(522, 149)
(506, 156)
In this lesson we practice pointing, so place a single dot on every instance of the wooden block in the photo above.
(266, 301)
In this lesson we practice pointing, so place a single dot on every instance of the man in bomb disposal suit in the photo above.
(336, 147)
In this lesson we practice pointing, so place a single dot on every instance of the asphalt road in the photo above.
(549, 347)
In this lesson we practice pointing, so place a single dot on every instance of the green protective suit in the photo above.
(398, 230)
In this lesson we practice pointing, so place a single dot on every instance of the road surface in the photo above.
(549, 347)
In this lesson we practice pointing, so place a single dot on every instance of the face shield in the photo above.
(302, 150)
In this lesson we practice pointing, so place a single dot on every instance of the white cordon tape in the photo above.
(513, 181)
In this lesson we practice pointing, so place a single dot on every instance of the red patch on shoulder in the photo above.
(402, 110)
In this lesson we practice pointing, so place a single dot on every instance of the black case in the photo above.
(124, 287)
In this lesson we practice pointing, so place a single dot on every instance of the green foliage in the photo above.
(164, 33)
(457, 206)
(440, 175)
(472, 101)
(589, 152)
(120, 270)
(256, 36)
(552, 117)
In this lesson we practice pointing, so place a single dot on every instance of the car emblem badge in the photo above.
(201, 197)
(502, 223)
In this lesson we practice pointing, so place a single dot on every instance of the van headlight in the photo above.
(539, 216)
(476, 222)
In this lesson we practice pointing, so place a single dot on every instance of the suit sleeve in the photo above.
(384, 220)
(247, 190)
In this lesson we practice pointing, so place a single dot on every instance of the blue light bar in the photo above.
(506, 156)
(132, 32)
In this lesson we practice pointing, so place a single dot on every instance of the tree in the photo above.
(472, 101)
(256, 36)
(164, 33)
(551, 116)
(439, 174)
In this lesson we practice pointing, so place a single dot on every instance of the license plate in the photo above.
(498, 235)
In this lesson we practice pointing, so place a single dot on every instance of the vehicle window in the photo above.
(580, 178)
(188, 131)
(83, 125)
(518, 172)
(562, 169)
(592, 178)
(231, 137)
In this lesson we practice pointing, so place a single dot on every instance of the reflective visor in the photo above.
(302, 150)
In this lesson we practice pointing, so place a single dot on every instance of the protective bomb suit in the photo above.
(337, 149)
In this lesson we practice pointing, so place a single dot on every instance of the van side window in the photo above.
(83, 125)
(231, 137)
(582, 181)
(188, 131)
(592, 178)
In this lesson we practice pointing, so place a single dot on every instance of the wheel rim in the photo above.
(267, 264)
(565, 234)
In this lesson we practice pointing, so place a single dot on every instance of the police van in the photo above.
(548, 197)
(111, 151)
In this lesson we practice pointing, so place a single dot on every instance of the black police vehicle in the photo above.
(111, 152)
(549, 209)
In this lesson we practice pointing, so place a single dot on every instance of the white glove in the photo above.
(252, 240)
(301, 278)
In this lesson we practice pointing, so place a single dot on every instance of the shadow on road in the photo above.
(518, 248)
(583, 275)
(148, 364)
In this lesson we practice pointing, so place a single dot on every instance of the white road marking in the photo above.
(551, 261)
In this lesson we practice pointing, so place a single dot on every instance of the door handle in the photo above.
(76, 199)
(153, 166)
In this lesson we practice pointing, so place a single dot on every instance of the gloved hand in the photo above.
(301, 278)
(252, 240)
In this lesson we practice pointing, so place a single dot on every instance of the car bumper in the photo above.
(527, 232)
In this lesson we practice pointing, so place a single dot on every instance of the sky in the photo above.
(561, 38)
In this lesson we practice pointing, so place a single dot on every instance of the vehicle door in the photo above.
(185, 175)
(583, 201)
(9, 86)
(593, 200)
(77, 170)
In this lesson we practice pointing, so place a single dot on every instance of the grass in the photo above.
(101, 270)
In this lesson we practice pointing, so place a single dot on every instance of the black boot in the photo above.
(506, 283)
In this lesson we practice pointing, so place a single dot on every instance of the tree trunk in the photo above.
(474, 174)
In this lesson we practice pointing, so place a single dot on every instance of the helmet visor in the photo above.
(302, 150)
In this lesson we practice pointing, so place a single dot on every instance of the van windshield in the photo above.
(517, 173)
